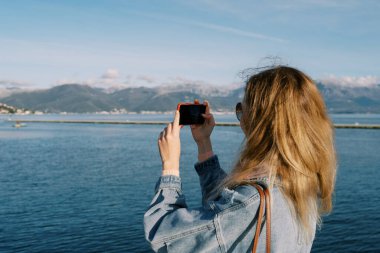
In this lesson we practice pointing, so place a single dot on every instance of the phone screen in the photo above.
(191, 114)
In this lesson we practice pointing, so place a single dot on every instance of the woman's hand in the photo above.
(202, 134)
(169, 145)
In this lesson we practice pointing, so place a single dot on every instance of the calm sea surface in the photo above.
(84, 187)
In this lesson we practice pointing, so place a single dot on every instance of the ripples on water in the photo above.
(81, 188)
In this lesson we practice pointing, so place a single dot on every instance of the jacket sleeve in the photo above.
(170, 226)
(210, 175)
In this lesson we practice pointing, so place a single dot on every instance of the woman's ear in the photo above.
(242, 127)
(243, 119)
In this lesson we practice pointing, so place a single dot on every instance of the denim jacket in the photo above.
(226, 224)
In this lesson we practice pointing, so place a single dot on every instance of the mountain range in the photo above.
(77, 98)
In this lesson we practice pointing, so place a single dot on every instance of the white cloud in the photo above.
(89, 82)
(147, 79)
(351, 81)
(10, 84)
(111, 74)
(246, 7)
(323, 3)
(8, 87)
(182, 80)
(180, 83)
(111, 80)
(211, 26)
(235, 31)
(186, 82)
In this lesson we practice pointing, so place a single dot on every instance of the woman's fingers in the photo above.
(161, 135)
(207, 116)
(168, 129)
(207, 104)
(175, 125)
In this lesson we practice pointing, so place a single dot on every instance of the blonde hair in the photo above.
(288, 131)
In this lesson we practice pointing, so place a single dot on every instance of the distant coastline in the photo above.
(75, 98)
(16, 111)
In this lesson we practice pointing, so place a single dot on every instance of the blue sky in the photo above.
(136, 42)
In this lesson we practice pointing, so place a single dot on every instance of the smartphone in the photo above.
(191, 114)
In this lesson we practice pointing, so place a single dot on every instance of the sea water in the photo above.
(85, 187)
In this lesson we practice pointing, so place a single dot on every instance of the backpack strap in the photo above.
(264, 200)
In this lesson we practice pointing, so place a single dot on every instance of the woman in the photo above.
(288, 145)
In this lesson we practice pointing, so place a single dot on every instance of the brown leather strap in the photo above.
(264, 197)
(268, 218)
(259, 218)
